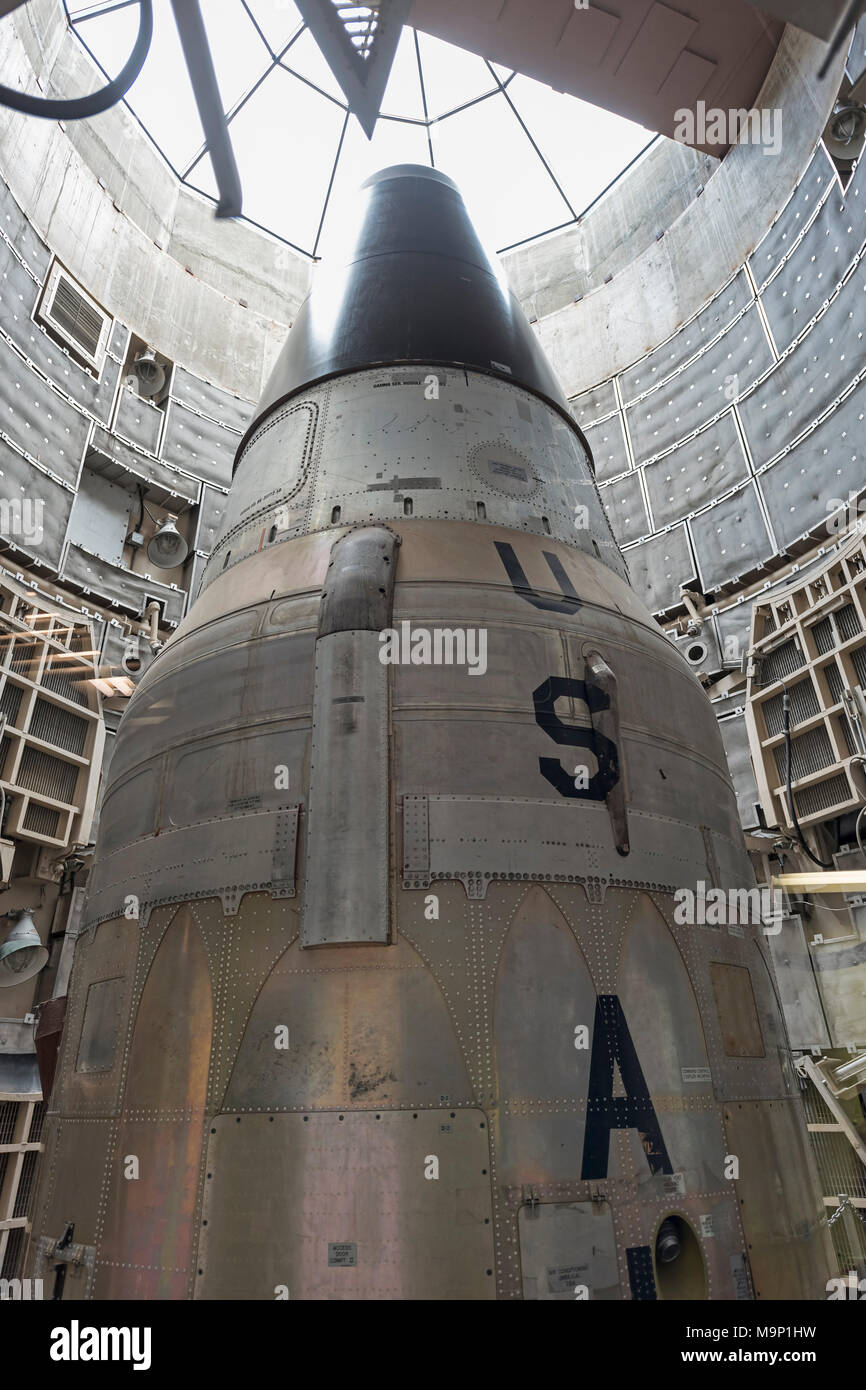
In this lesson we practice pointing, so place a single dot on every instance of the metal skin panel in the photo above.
(686, 401)
(228, 410)
(346, 897)
(138, 420)
(109, 953)
(198, 445)
(594, 405)
(566, 1245)
(38, 419)
(624, 505)
(361, 1033)
(342, 445)
(36, 530)
(730, 539)
(796, 214)
(109, 450)
(735, 1003)
(119, 585)
(350, 1211)
(814, 267)
(799, 495)
(660, 566)
(779, 1196)
(70, 1176)
(102, 1026)
(811, 379)
(692, 339)
(609, 449)
(696, 472)
(148, 1220)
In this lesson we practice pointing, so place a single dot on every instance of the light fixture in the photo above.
(835, 881)
(167, 548)
(150, 373)
(22, 954)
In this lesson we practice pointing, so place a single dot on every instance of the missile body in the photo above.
(390, 985)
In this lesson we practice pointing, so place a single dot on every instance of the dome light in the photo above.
(167, 548)
(22, 954)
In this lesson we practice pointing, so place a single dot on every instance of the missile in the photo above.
(422, 957)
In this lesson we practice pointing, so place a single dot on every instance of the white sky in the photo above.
(287, 135)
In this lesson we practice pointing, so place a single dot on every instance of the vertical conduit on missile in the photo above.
(346, 896)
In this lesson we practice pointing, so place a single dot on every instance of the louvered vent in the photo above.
(813, 800)
(781, 662)
(59, 726)
(56, 679)
(48, 776)
(74, 316)
(810, 753)
(834, 683)
(10, 701)
(804, 704)
(42, 820)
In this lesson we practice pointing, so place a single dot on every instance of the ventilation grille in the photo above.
(782, 662)
(25, 658)
(10, 701)
(858, 661)
(847, 622)
(36, 1123)
(74, 316)
(56, 679)
(8, 1111)
(12, 1260)
(835, 683)
(812, 800)
(823, 636)
(25, 1184)
(39, 772)
(41, 820)
(804, 703)
(55, 725)
(811, 752)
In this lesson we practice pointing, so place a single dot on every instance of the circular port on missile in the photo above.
(679, 1264)
(667, 1242)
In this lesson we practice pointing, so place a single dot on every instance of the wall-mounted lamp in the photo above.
(22, 954)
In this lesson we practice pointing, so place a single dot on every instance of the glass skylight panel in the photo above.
(285, 175)
(560, 124)
(305, 58)
(507, 189)
(286, 134)
(239, 55)
(277, 19)
(403, 92)
(161, 96)
(451, 76)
